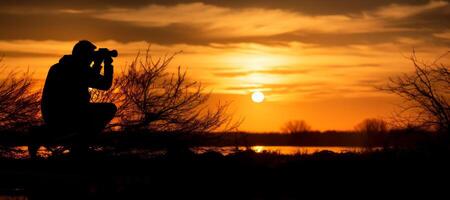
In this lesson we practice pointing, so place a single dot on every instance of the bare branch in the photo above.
(19, 105)
(150, 98)
(426, 94)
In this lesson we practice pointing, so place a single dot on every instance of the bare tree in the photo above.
(19, 105)
(296, 126)
(150, 98)
(372, 126)
(425, 93)
(373, 132)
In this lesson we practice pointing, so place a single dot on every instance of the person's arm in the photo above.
(103, 82)
(97, 67)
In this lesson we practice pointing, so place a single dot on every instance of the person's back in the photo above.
(65, 92)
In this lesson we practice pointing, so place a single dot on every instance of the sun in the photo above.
(257, 97)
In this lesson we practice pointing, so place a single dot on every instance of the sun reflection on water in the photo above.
(21, 152)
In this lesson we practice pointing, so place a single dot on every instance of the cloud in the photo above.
(272, 72)
(218, 22)
(398, 11)
(371, 82)
(279, 88)
(69, 27)
(309, 90)
(4, 53)
(443, 35)
(317, 7)
(363, 65)
(32, 47)
(239, 22)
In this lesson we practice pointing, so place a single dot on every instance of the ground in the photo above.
(243, 175)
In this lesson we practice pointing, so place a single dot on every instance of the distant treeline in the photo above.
(393, 138)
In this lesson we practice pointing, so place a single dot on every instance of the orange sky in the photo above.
(316, 62)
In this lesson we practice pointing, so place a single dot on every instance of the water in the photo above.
(285, 150)
(22, 151)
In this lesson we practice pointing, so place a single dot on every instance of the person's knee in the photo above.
(112, 108)
(105, 111)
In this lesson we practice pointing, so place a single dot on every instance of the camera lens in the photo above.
(113, 53)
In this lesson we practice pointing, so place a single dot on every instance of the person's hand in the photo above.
(108, 61)
(98, 60)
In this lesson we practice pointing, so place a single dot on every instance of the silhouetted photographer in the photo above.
(66, 106)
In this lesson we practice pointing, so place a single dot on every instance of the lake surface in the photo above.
(286, 150)
(22, 151)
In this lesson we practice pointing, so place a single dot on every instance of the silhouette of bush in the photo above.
(295, 127)
(425, 93)
(19, 105)
(150, 98)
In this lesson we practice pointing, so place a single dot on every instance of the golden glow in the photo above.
(322, 68)
(257, 97)
(258, 149)
(258, 58)
(317, 85)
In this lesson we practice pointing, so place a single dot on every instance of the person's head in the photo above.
(83, 51)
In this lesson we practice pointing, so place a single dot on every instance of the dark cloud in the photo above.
(372, 82)
(65, 26)
(75, 26)
(26, 54)
(436, 19)
(317, 7)
(339, 39)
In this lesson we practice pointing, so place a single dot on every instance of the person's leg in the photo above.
(95, 119)
(100, 114)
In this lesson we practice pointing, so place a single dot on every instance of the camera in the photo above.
(104, 52)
